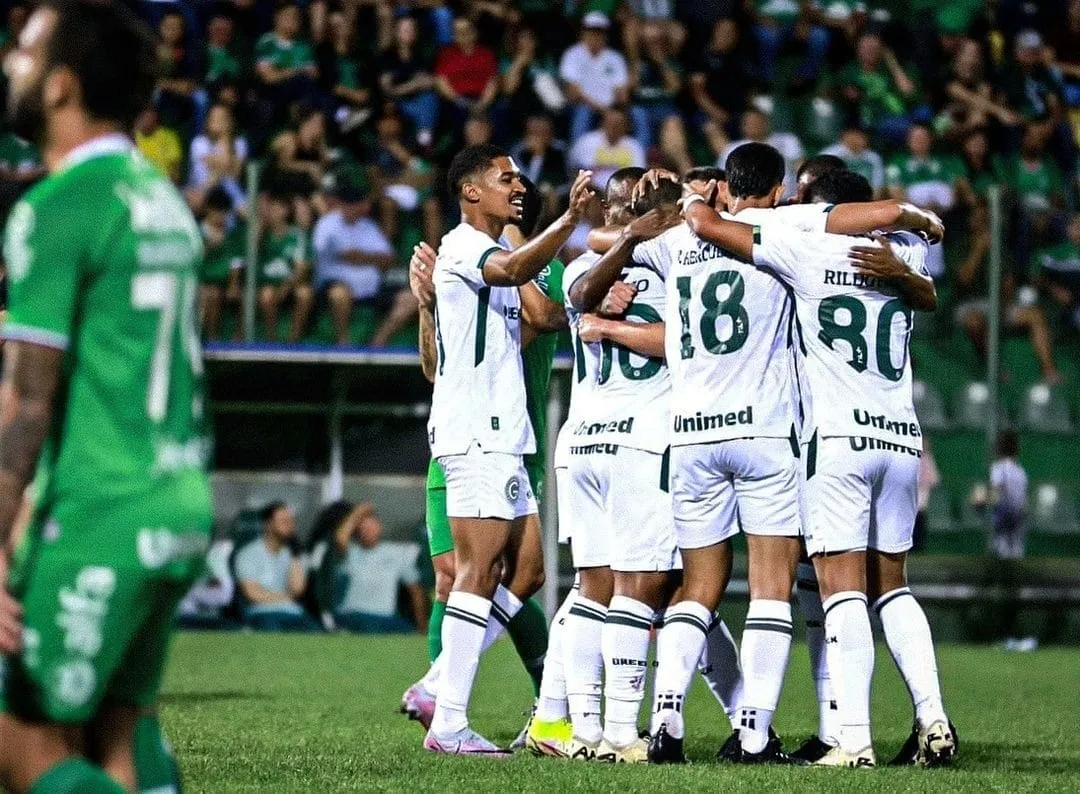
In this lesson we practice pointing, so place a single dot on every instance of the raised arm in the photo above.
(514, 268)
(888, 215)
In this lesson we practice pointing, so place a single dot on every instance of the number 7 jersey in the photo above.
(854, 329)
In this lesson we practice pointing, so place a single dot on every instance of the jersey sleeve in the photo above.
(912, 249)
(466, 255)
(550, 281)
(43, 257)
(805, 217)
(653, 254)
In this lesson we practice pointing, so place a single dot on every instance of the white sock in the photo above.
(430, 681)
(849, 647)
(766, 646)
(679, 647)
(504, 606)
(463, 637)
(625, 646)
(551, 705)
(809, 596)
(907, 634)
(719, 666)
(584, 664)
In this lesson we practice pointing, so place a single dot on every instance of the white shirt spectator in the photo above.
(334, 236)
(200, 174)
(598, 76)
(867, 163)
(255, 563)
(1010, 484)
(595, 152)
(374, 576)
(214, 591)
(790, 148)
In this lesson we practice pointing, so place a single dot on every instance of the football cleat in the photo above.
(637, 752)
(772, 754)
(418, 704)
(911, 753)
(665, 748)
(550, 738)
(520, 742)
(464, 742)
(581, 750)
(731, 750)
(863, 759)
(937, 744)
(812, 750)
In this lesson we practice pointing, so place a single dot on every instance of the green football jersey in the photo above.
(905, 171)
(537, 358)
(281, 254)
(220, 260)
(103, 258)
(284, 54)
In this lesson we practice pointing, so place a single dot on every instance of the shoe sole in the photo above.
(544, 749)
(943, 756)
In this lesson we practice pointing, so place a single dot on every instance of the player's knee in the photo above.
(444, 583)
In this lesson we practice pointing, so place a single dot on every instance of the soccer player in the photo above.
(103, 393)
(861, 463)
(479, 427)
(542, 314)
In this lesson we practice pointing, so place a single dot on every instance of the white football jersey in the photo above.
(630, 401)
(728, 335)
(854, 332)
(479, 391)
(586, 359)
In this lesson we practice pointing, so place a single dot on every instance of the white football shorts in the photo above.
(487, 485)
(747, 483)
(860, 493)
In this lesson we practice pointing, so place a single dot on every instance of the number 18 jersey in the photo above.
(855, 330)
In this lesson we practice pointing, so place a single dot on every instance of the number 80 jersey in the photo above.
(727, 339)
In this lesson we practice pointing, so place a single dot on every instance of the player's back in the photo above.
(103, 257)
(479, 393)
(855, 331)
(630, 400)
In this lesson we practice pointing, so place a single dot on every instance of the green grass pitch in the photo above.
(265, 713)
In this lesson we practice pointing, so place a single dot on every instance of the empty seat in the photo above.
(1053, 510)
(929, 406)
(972, 405)
(1045, 410)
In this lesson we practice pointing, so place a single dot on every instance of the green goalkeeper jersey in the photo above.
(103, 259)
(537, 358)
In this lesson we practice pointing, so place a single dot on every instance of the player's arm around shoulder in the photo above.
(901, 265)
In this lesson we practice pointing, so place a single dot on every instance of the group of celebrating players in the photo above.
(739, 365)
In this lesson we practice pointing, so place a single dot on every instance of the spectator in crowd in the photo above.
(1031, 88)
(1058, 275)
(205, 603)
(969, 103)
(300, 154)
(223, 65)
(224, 241)
(368, 573)
(927, 180)
(271, 578)
(778, 23)
(595, 77)
(879, 90)
(755, 127)
(477, 130)
(178, 94)
(1009, 498)
(1064, 42)
(466, 75)
(529, 83)
(978, 168)
(402, 179)
(1039, 191)
(284, 65)
(721, 81)
(405, 77)
(542, 158)
(351, 93)
(217, 159)
(158, 144)
(351, 254)
(284, 268)
(854, 149)
(17, 15)
(609, 148)
(656, 79)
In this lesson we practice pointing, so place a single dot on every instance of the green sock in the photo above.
(76, 776)
(529, 631)
(155, 765)
(434, 630)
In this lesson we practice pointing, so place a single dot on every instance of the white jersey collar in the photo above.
(110, 143)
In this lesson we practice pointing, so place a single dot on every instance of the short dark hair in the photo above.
(218, 199)
(753, 170)
(705, 173)
(665, 192)
(469, 162)
(1008, 443)
(113, 54)
(531, 207)
(819, 165)
(841, 187)
(629, 174)
(267, 514)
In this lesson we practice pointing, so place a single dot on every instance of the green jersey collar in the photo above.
(111, 143)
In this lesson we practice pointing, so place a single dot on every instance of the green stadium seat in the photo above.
(930, 406)
(939, 515)
(1045, 411)
(1054, 510)
(972, 405)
